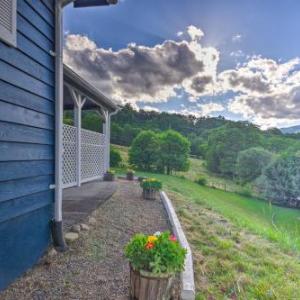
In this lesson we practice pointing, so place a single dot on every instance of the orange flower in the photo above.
(149, 245)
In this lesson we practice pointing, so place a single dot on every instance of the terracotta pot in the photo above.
(148, 286)
(149, 194)
(109, 177)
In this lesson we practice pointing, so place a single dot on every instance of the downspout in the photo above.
(57, 223)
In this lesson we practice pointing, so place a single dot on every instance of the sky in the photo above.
(238, 59)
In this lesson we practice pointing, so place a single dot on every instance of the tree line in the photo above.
(267, 160)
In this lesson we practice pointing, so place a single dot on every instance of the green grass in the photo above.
(275, 223)
(278, 224)
(243, 247)
(231, 263)
(197, 168)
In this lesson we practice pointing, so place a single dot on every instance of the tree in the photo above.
(115, 157)
(280, 182)
(144, 151)
(174, 151)
(251, 162)
(226, 142)
(92, 121)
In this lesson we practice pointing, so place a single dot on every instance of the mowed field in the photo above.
(244, 248)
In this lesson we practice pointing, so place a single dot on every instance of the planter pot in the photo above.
(129, 176)
(140, 179)
(149, 286)
(149, 194)
(109, 177)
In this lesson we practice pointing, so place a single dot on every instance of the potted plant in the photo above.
(109, 175)
(154, 261)
(130, 174)
(150, 188)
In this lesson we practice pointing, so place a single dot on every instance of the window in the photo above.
(8, 14)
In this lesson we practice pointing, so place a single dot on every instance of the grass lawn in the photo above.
(275, 223)
(231, 263)
(243, 248)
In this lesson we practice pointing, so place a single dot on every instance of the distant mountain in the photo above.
(292, 129)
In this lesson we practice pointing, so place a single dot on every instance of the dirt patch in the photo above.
(95, 267)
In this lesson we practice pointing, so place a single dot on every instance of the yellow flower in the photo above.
(151, 239)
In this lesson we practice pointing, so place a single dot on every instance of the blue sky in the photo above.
(256, 75)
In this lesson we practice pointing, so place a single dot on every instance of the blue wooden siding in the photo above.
(26, 139)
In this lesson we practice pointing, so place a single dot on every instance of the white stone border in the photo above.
(187, 276)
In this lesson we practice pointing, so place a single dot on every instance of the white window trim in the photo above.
(5, 35)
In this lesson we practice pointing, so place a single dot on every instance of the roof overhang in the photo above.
(95, 97)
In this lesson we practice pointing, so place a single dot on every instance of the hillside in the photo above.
(243, 248)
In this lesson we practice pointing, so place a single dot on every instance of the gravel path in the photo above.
(94, 267)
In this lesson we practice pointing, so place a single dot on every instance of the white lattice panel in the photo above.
(69, 155)
(92, 137)
(92, 154)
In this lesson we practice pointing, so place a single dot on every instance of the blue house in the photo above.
(39, 156)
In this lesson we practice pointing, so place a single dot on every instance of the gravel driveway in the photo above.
(95, 267)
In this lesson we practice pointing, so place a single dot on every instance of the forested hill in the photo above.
(129, 122)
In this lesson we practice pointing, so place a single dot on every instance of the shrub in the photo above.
(201, 180)
(115, 157)
(151, 183)
(110, 171)
(159, 253)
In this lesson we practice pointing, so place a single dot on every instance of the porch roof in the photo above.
(89, 91)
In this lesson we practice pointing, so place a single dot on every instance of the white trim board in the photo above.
(187, 276)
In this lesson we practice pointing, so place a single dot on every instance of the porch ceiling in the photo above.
(90, 92)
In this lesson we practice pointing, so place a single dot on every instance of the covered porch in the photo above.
(85, 152)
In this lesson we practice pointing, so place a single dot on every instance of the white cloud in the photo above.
(150, 74)
(194, 33)
(150, 108)
(268, 92)
(236, 38)
(209, 108)
(264, 90)
(237, 54)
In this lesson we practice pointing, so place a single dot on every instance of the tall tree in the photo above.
(174, 151)
(144, 151)
(251, 163)
(226, 142)
(280, 182)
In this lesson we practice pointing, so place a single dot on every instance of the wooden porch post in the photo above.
(106, 144)
(79, 102)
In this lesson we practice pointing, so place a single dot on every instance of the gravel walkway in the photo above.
(94, 267)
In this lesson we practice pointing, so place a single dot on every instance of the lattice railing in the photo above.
(92, 155)
(69, 155)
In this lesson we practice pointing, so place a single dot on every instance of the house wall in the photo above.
(26, 139)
